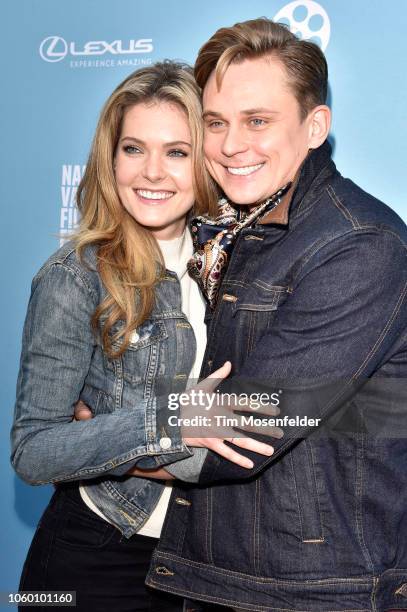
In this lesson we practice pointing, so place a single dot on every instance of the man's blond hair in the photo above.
(304, 62)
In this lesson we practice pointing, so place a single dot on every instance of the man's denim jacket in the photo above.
(316, 301)
(62, 361)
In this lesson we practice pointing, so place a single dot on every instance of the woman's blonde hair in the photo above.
(129, 260)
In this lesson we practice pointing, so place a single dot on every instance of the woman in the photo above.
(107, 325)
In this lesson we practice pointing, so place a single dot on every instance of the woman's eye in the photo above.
(131, 149)
(177, 153)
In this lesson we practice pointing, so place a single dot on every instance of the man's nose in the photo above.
(154, 168)
(233, 142)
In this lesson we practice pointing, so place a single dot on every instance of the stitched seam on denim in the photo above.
(211, 333)
(301, 213)
(272, 288)
(167, 314)
(46, 267)
(131, 507)
(256, 307)
(209, 502)
(150, 420)
(100, 470)
(250, 326)
(118, 383)
(102, 398)
(287, 444)
(210, 599)
(366, 580)
(78, 273)
(359, 512)
(385, 230)
(373, 594)
(181, 536)
(257, 608)
(297, 497)
(150, 374)
(312, 459)
(145, 342)
(341, 206)
(256, 528)
(253, 607)
(316, 537)
(67, 255)
(326, 173)
(384, 332)
(235, 282)
(249, 264)
(319, 245)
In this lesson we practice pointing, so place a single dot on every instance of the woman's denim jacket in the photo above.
(62, 361)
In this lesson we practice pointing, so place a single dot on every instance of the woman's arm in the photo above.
(58, 344)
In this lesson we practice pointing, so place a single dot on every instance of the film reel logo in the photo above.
(308, 20)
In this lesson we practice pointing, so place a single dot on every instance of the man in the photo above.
(312, 301)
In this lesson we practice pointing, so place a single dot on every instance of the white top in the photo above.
(176, 254)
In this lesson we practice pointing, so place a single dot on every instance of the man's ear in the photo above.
(319, 120)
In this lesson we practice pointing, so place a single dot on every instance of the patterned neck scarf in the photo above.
(214, 240)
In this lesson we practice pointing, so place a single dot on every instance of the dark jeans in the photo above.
(75, 550)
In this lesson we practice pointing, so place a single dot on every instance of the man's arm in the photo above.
(346, 310)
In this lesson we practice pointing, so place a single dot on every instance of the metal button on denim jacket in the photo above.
(62, 361)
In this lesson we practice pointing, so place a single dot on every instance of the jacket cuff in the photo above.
(189, 469)
(164, 439)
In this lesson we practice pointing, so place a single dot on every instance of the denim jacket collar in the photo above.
(315, 169)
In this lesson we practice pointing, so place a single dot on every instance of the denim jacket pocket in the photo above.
(306, 492)
(255, 308)
(260, 297)
(142, 354)
(97, 400)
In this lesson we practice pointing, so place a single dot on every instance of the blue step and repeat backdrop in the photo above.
(62, 58)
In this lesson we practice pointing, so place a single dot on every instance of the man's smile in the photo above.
(244, 170)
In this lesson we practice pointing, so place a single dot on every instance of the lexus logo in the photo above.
(53, 49)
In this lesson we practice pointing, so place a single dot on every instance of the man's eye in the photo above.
(256, 122)
(177, 153)
(131, 149)
(215, 124)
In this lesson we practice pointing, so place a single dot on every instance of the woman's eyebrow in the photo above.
(177, 142)
(133, 139)
(173, 143)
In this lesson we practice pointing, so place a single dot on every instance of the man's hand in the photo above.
(219, 426)
(158, 473)
(210, 434)
(82, 412)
